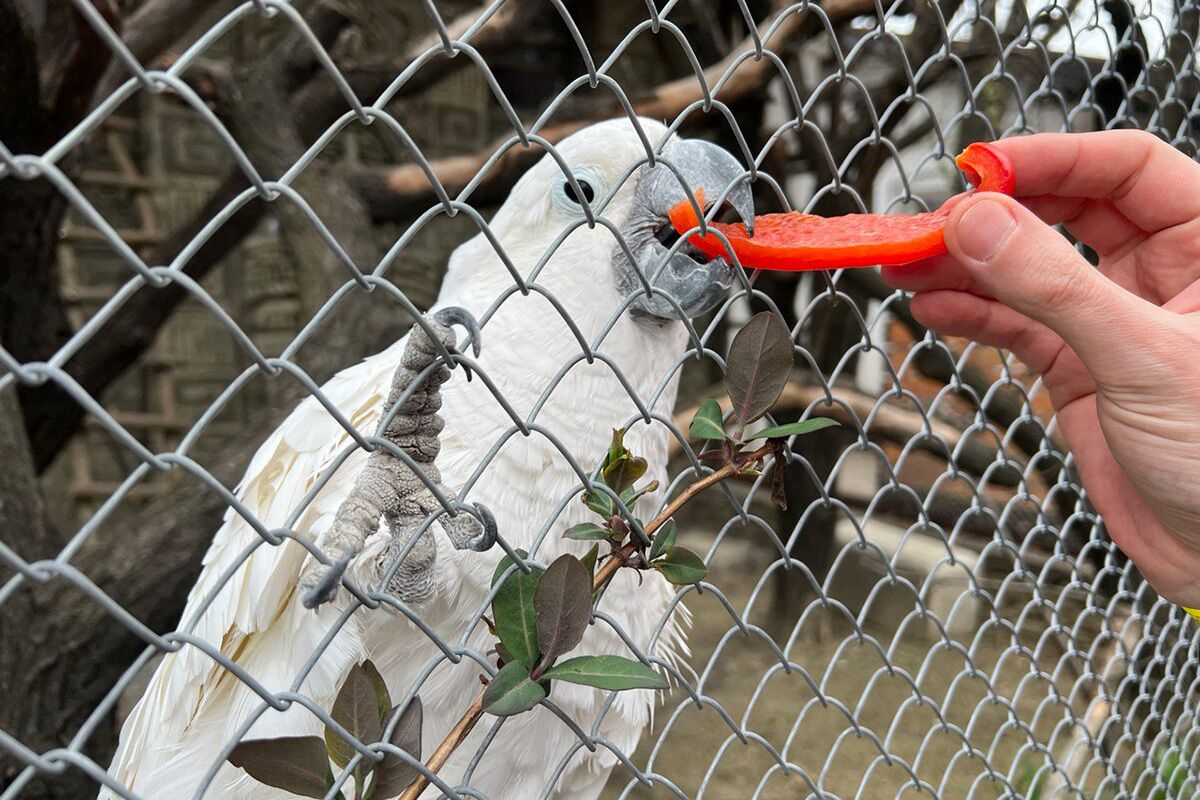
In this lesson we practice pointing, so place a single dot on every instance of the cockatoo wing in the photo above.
(241, 605)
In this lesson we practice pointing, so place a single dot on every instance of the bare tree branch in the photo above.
(51, 56)
(400, 192)
(52, 417)
(46, 80)
(154, 27)
(524, 21)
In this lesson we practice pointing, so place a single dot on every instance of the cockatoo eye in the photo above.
(589, 194)
(568, 198)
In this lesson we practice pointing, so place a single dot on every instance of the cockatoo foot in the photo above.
(401, 484)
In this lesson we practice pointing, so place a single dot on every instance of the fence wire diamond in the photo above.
(939, 611)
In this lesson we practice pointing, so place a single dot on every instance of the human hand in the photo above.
(1118, 346)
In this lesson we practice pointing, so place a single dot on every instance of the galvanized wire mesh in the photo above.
(964, 626)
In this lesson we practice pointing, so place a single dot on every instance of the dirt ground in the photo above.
(874, 703)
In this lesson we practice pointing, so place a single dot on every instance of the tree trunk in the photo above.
(32, 319)
(63, 652)
(27, 622)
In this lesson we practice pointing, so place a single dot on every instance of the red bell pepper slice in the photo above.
(795, 241)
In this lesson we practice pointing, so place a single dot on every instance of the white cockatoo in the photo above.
(172, 744)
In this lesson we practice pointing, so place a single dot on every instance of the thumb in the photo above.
(1028, 266)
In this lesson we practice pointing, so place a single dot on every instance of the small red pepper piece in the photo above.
(795, 241)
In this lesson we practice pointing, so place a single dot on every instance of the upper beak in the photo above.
(702, 165)
(682, 280)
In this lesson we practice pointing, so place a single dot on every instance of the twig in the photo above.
(623, 552)
(620, 555)
(444, 750)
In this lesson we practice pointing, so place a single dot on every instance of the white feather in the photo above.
(193, 707)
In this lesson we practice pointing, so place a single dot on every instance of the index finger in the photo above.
(1151, 183)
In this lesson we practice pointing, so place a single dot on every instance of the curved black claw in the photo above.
(455, 315)
(485, 540)
(326, 588)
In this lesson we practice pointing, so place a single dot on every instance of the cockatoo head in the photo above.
(631, 256)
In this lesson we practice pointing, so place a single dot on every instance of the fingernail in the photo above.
(983, 229)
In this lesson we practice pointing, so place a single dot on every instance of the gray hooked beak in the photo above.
(695, 282)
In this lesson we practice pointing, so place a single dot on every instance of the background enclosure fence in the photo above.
(939, 611)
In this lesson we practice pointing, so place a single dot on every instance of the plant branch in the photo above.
(619, 557)
(444, 750)
(622, 553)
(891, 422)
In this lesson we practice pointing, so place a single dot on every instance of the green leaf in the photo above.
(587, 531)
(357, 710)
(708, 422)
(381, 691)
(624, 472)
(505, 563)
(512, 691)
(758, 366)
(631, 495)
(797, 428)
(515, 617)
(599, 591)
(589, 560)
(599, 502)
(296, 764)
(393, 776)
(607, 672)
(663, 540)
(616, 448)
(680, 566)
(564, 606)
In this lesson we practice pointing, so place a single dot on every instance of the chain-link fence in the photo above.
(937, 611)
